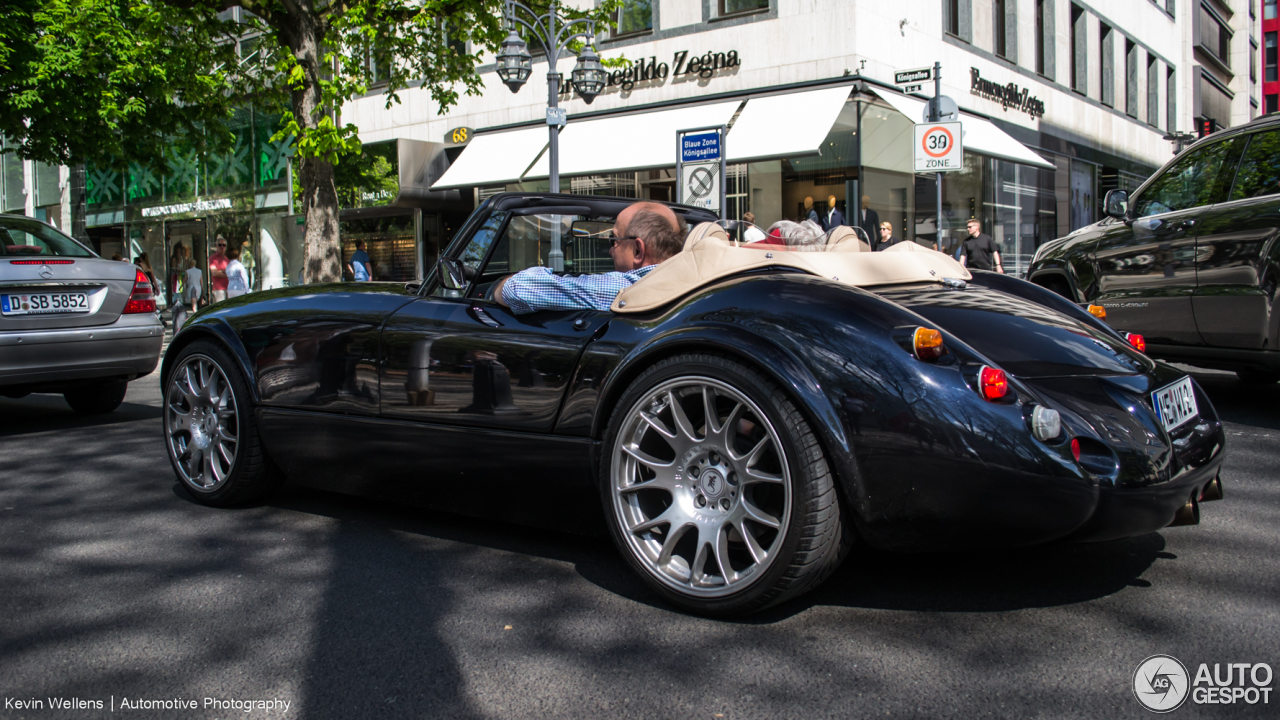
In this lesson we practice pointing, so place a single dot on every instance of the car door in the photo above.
(1146, 265)
(471, 361)
(1236, 252)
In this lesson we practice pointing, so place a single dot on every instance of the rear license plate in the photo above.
(44, 303)
(1175, 404)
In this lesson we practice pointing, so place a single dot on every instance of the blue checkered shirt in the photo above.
(536, 288)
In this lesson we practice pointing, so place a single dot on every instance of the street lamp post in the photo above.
(555, 34)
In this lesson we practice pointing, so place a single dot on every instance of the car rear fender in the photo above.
(772, 359)
(218, 330)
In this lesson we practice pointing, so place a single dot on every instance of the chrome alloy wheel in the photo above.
(201, 423)
(701, 487)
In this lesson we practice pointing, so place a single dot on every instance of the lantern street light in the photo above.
(555, 34)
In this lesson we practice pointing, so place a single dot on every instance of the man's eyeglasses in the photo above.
(615, 239)
(222, 244)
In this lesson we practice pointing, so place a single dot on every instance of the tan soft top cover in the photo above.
(709, 256)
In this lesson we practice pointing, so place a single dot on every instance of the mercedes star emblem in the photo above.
(45, 271)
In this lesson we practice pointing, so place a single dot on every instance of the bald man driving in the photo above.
(644, 235)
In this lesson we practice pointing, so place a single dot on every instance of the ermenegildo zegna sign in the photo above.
(1008, 96)
(641, 71)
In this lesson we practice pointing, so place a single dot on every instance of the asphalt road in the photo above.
(115, 586)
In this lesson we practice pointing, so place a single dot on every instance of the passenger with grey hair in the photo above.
(804, 236)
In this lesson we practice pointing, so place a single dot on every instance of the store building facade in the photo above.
(1060, 102)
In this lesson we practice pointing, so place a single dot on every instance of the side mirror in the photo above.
(453, 275)
(1116, 203)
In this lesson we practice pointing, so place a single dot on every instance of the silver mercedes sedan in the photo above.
(71, 322)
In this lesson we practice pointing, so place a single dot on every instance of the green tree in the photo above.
(316, 55)
(110, 81)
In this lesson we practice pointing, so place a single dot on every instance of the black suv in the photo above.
(1190, 261)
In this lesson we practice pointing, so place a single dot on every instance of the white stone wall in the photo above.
(822, 39)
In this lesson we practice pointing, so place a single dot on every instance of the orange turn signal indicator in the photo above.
(1098, 311)
(927, 344)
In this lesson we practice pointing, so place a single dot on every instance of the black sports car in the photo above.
(736, 421)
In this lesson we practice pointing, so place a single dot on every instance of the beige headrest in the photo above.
(705, 230)
(845, 239)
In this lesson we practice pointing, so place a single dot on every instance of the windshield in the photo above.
(25, 237)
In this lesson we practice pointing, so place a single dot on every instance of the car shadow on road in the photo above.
(992, 580)
(42, 412)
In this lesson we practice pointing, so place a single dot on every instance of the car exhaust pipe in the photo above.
(1188, 514)
(1212, 491)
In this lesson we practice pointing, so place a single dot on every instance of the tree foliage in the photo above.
(114, 80)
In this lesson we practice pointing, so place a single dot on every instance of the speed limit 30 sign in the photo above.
(939, 147)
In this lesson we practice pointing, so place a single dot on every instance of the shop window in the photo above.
(634, 17)
(1270, 61)
(1079, 62)
(15, 196)
(735, 7)
(48, 189)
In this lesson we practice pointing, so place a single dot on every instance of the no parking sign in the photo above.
(939, 147)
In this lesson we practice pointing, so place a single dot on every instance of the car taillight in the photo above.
(927, 344)
(992, 383)
(1075, 448)
(42, 262)
(1137, 341)
(140, 300)
(1098, 311)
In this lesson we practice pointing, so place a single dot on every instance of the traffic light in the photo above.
(1206, 127)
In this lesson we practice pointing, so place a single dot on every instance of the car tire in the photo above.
(721, 521)
(98, 398)
(1258, 377)
(211, 432)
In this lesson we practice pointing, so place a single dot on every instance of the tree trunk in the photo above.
(322, 248)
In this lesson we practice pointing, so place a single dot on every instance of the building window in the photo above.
(1215, 103)
(998, 44)
(1130, 78)
(1107, 51)
(1171, 101)
(1253, 62)
(1215, 37)
(958, 18)
(1153, 91)
(733, 7)
(1269, 61)
(1040, 38)
(1079, 66)
(1273, 103)
(951, 11)
(635, 16)
(1269, 9)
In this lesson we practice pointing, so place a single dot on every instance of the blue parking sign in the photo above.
(702, 147)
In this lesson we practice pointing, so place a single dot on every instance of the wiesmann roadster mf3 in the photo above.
(737, 421)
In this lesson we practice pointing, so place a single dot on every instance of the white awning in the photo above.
(495, 158)
(980, 135)
(785, 125)
(630, 142)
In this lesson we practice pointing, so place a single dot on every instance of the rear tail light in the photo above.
(1075, 448)
(1137, 341)
(992, 383)
(140, 300)
(42, 262)
(1098, 311)
(927, 344)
